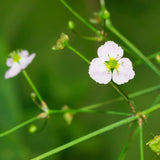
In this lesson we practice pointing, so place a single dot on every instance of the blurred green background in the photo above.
(62, 77)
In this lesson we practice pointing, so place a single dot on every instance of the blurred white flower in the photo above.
(18, 61)
(110, 65)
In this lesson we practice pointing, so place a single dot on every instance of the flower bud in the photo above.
(71, 25)
(32, 129)
(33, 96)
(67, 116)
(154, 144)
(158, 58)
(62, 42)
(106, 14)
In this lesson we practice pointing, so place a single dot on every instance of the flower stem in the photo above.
(32, 85)
(78, 53)
(95, 133)
(18, 126)
(109, 25)
(124, 96)
(83, 110)
(141, 142)
(80, 18)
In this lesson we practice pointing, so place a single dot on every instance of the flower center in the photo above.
(16, 57)
(112, 64)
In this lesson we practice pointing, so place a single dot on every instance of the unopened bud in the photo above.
(68, 117)
(106, 14)
(32, 128)
(44, 106)
(33, 96)
(62, 42)
(71, 25)
(158, 58)
(154, 144)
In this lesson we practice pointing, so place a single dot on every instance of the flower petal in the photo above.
(13, 71)
(9, 62)
(110, 50)
(25, 61)
(125, 71)
(24, 53)
(99, 72)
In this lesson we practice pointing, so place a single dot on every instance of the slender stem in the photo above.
(78, 53)
(141, 142)
(95, 133)
(149, 57)
(18, 127)
(74, 111)
(148, 90)
(80, 18)
(102, 3)
(157, 99)
(132, 95)
(120, 91)
(132, 135)
(124, 96)
(84, 138)
(109, 25)
(85, 37)
(32, 85)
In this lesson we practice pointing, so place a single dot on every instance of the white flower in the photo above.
(18, 61)
(110, 65)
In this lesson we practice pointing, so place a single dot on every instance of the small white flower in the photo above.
(110, 65)
(18, 61)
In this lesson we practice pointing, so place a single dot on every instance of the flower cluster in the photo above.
(109, 65)
(18, 61)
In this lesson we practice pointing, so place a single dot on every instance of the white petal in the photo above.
(25, 61)
(13, 71)
(110, 50)
(125, 71)
(99, 72)
(24, 53)
(9, 62)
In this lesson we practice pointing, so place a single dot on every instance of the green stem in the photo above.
(102, 3)
(141, 142)
(85, 37)
(95, 133)
(80, 18)
(83, 110)
(78, 53)
(18, 127)
(133, 134)
(109, 25)
(149, 57)
(124, 96)
(32, 85)
(120, 91)
(132, 95)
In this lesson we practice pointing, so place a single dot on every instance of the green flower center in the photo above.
(16, 57)
(112, 64)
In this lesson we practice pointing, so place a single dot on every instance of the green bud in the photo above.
(32, 128)
(106, 14)
(71, 25)
(154, 144)
(62, 42)
(68, 117)
(158, 58)
(33, 96)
